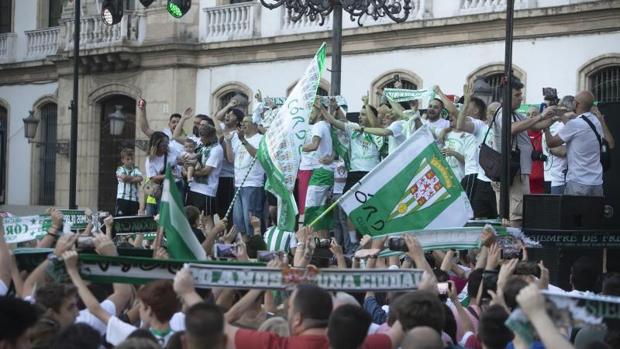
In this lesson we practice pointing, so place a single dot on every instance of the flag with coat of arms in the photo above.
(412, 189)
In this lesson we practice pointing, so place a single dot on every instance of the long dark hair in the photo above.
(155, 141)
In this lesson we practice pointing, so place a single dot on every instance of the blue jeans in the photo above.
(341, 230)
(558, 190)
(249, 202)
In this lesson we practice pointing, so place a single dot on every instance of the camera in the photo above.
(550, 94)
(538, 156)
(444, 287)
(511, 248)
(323, 243)
(397, 243)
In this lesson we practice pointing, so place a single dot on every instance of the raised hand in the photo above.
(104, 246)
(71, 260)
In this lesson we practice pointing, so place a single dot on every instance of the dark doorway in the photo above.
(3, 143)
(47, 153)
(110, 147)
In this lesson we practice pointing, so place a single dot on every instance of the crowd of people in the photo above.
(463, 300)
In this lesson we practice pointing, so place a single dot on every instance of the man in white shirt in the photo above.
(583, 152)
(322, 178)
(202, 191)
(241, 149)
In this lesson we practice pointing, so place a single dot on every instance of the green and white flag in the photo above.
(319, 191)
(403, 95)
(182, 243)
(412, 189)
(279, 150)
(279, 240)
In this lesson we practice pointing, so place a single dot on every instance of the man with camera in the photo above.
(521, 148)
(583, 152)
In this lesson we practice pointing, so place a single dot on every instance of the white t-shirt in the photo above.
(364, 148)
(462, 143)
(117, 331)
(555, 166)
(214, 160)
(88, 318)
(398, 135)
(243, 160)
(583, 151)
(155, 164)
(340, 176)
(3, 289)
(437, 125)
(322, 129)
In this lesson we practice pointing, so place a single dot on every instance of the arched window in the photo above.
(4, 132)
(47, 153)
(225, 93)
(493, 75)
(225, 99)
(605, 84)
(408, 80)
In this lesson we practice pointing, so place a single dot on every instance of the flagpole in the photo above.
(232, 202)
(331, 207)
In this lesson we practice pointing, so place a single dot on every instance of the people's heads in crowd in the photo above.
(491, 109)
(584, 101)
(422, 337)
(492, 331)
(584, 274)
(173, 121)
(364, 121)
(199, 120)
(532, 112)
(568, 102)
(127, 157)
(193, 215)
(419, 308)
(474, 281)
(348, 326)
(158, 144)
(207, 134)
(435, 106)
(158, 302)
(189, 145)
(16, 318)
(204, 324)
(517, 93)
(59, 301)
(511, 290)
(138, 343)
(477, 109)
(309, 307)
(233, 118)
(78, 336)
(342, 298)
(277, 325)
(248, 125)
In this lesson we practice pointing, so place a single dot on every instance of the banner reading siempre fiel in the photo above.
(413, 188)
(279, 150)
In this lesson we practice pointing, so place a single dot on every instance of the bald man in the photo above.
(583, 153)
(422, 337)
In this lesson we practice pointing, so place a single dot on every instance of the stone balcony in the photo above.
(7, 47)
(250, 21)
(96, 34)
(41, 43)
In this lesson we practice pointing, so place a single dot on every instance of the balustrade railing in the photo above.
(41, 43)
(483, 6)
(7, 47)
(94, 33)
(231, 22)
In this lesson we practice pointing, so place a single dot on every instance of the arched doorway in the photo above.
(110, 147)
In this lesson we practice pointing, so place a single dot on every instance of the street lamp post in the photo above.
(396, 10)
(74, 107)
